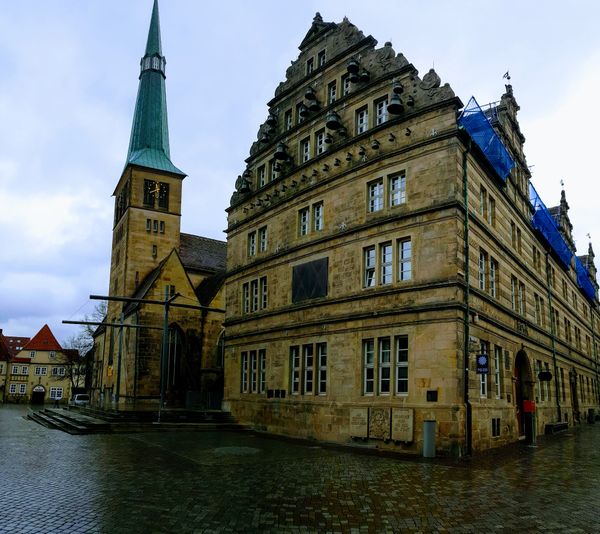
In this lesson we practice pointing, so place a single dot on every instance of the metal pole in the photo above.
(121, 319)
(163, 352)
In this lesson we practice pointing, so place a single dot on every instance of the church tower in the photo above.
(148, 195)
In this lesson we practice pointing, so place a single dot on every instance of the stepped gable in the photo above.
(339, 40)
(43, 340)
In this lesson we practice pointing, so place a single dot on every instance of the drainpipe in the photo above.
(467, 294)
(553, 336)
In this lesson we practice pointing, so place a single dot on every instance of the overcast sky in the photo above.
(68, 81)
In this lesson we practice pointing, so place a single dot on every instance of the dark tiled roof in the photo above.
(199, 253)
(209, 287)
(15, 344)
(4, 350)
(143, 288)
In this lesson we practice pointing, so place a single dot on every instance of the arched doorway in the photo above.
(38, 394)
(523, 380)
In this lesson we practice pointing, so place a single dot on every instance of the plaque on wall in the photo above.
(402, 424)
(379, 423)
(359, 422)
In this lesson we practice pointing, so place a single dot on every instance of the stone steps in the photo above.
(95, 421)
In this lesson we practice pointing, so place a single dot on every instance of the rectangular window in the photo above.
(308, 360)
(246, 297)
(362, 120)
(244, 381)
(15, 369)
(252, 244)
(320, 145)
(24, 370)
(483, 203)
(562, 384)
(404, 259)
(148, 225)
(303, 221)
(254, 293)
(370, 262)
(345, 84)
(318, 216)
(483, 378)
(305, 150)
(547, 383)
(538, 316)
(482, 270)
(397, 189)
(385, 366)
(513, 292)
(375, 195)
(491, 211)
(543, 312)
(287, 120)
(262, 176)
(163, 196)
(149, 193)
(321, 58)
(493, 278)
(262, 239)
(56, 393)
(295, 365)
(513, 234)
(322, 363)
(23, 390)
(58, 371)
(386, 263)
(331, 92)
(12, 389)
(402, 365)
(522, 297)
(262, 361)
(155, 226)
(253, 371)
(369, 366)
(310, 65)
(272, 170)
(40, 371)
(382, 113)
(519, 242)
(264, 299)
(161, 226)
(498, 371)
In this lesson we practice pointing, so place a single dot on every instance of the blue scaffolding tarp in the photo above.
(474, 121)
(545, 224)
(583, 280)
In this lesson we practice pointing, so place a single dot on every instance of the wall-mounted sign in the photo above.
(39, 389)
(482, 364)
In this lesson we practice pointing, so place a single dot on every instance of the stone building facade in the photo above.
(360, 291)
(146, 349)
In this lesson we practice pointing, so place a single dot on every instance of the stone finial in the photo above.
(388, 43)
(318, 17)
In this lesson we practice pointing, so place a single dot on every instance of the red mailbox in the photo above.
(529, 406)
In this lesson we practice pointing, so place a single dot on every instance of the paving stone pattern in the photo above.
(240, 482)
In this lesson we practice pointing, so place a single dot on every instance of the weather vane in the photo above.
(506, 75)
(562, 183)
(588, 236)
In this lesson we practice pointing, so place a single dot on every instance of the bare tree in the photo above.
(77, 357)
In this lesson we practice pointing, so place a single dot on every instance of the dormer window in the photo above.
(52, 354)
(321, 58)
(32, 354)
(310, 65)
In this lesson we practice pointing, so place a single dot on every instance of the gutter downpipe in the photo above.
(553, 336)
(467, 294)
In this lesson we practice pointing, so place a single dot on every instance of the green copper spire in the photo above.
(149, 143)
(153, 45)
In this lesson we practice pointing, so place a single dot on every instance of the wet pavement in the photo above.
(239, 482)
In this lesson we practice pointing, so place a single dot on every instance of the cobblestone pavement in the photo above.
(240, 482)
